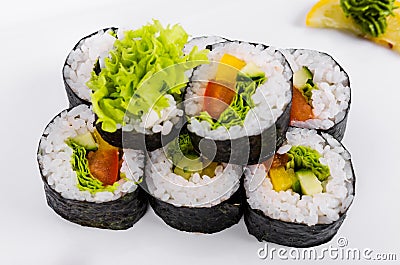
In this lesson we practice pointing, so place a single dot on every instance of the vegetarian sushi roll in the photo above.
(321, 98)
(305, 193)
(191, 193)
(87, 54)
(138, 87)
(238, 106)
(86, 180)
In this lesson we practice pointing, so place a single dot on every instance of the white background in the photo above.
(36, 37)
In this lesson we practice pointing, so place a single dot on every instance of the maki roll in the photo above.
(305, 192)
(191, 193)
(87, 54)
(138, 89)
(321, 94)
(238, 106)
(86, 180)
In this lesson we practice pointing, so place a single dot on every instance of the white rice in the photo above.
(201, 42)
(80, 61)
(270, 98)
(198, 191)
(152, 122)
(331, 101)
(322, 208)
(54, 157)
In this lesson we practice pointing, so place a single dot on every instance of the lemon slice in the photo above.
(329, 14)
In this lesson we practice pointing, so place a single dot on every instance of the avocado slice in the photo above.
(309, 182)
(86, 140)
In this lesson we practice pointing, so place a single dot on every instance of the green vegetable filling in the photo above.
(300, 170)
(180, 147)
(184, 158)
(241, 104)
(369, 15)
(80, 164)
(142, 54)
(303, 81)
(302, 157)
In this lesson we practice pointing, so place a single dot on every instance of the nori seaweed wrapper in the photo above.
(339, 128)
(247, 150)
(140, 141)
(289, 234)
(119, 214)
(205, 220)
(73, 98)
(267, 229)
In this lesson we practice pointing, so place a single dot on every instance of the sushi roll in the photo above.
(87, 54)
(138, 88)
(191, 193)
(305, 192)
(321, 98)
(86, 180)
(238, 105)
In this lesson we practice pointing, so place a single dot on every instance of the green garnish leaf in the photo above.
(80, 165)
(141, 54)
(302, 157)
(369, 15)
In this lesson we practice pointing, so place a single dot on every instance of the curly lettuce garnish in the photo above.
(134, 59)
(80, 164)
(302, 157)
(369, 15)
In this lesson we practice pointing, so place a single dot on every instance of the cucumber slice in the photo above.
(188, 165)
(309, 182)
(251, 70)
(302, 77)
(86, 140)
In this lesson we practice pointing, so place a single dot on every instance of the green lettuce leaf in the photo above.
(302, 157)
(142, 54)
(307, 89)
(80, 165)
